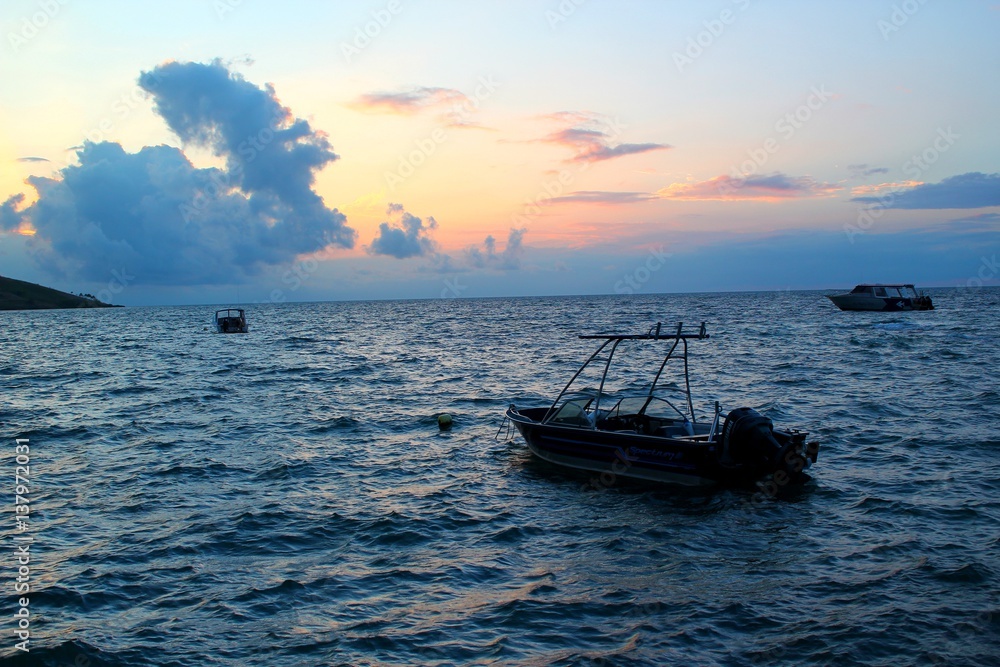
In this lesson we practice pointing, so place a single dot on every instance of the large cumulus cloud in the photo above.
(168, 222)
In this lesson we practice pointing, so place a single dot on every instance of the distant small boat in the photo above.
(231, 320)
(882, 297)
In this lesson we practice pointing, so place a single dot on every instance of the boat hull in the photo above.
(230, 320)
(875, 303)
(231, 329)
(627, 454)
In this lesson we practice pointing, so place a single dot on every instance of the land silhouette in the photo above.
(21, 295)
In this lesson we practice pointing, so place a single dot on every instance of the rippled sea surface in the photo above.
(286, 498)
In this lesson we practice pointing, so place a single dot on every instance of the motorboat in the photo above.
(653, 434)
(231, 320)
(882, 297)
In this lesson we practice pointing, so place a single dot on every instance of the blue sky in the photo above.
(195, 151)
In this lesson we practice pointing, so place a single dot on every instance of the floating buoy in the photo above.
(444, 422)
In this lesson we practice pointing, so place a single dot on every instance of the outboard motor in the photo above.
(748, 440)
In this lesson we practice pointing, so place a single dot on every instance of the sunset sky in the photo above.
(204, 151)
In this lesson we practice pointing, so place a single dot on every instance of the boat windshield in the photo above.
(573, 412)
(651, 406)
(862, 289)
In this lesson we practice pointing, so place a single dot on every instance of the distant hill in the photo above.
(19, 295)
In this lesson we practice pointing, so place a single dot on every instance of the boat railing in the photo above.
(679, 337)
(655, 333)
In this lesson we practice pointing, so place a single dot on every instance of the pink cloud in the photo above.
(879, 188)
(603, 198)
(410, 101)
(453, 106)
(775, 187)
(591, 137)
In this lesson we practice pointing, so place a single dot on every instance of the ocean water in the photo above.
(286, 498)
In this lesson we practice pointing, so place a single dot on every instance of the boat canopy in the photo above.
(582, 406)
(883, 290)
